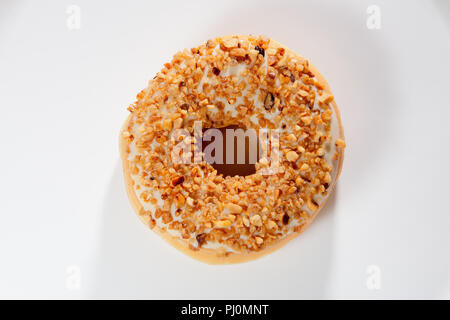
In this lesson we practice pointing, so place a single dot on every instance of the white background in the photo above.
(63, 94)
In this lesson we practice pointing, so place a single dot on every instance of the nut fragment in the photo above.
(256, 220)
(312, 205)
(299, 181)
(291, 138)
(216, 71)
(201, 239)
(259, 240)
(326, 98)
(304, 167)
(178, 180)
(230, 43)
(303, 93)
(167, 124)
(292, 156)
(238, 53)
(306, 120)
(269, 101)
(320, 152)
(222, 223)
(292, 77)
(184, 106)
(271, 225)
(261, 51)
(190, 201)
(340, 143)
(291, 190)
(233, 208)
(178, 123)
(180, 200)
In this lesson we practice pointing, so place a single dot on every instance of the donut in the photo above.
(258, 85)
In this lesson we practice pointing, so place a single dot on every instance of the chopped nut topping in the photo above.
(272, 89)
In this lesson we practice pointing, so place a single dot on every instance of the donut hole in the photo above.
(235, 153)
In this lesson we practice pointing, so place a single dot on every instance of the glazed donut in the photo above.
(254, 83)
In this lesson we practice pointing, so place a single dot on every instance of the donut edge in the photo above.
(211, 256)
